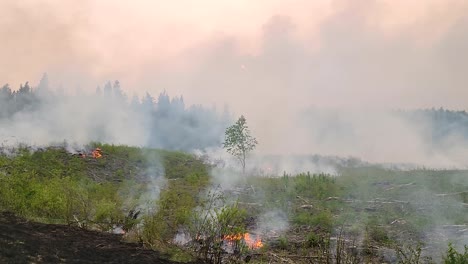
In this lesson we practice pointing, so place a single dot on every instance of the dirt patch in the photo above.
(23, 241)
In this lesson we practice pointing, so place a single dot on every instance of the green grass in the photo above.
(374, 206)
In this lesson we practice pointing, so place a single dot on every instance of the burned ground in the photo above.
(23, 241)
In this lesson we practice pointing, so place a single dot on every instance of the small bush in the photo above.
(283, 243)
(313, 240)
(212, 224)
(410, 254)
(452, 256)
(322, 219)
(376, 232)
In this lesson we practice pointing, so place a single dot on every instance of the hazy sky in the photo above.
(257, 56)
(411, 51)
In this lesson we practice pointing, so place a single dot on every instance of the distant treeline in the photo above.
(440, 125)
(43, 115)
(110, 114)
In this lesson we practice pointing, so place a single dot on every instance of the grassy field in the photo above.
(366, 214)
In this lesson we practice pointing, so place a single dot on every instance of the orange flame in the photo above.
(97, 153)
(251, 243)
(232, 238)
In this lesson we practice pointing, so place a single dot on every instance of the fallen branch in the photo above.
(400, 185)
(303, 199)
(449, 194)
(281, 258)
(398, 221)
(302, 257)
(253, 189)
(406, 184)
(376, 200)
(455, 226)
(79, 223)
(250, 204)
(384, 201)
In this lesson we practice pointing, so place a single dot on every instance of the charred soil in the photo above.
(23, 241)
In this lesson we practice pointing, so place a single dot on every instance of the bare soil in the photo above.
(23, 241)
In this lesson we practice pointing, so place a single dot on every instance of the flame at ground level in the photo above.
(249, 241)
(252, 243)
(97, 153)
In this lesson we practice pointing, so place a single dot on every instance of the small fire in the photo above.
(97, 153)
(252, 243)
(249, 241)
(232, 238)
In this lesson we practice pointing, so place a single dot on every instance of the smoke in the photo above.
(155, 176)
(80, 120)
(359, 74)
(368, 56)
(426, 138)
(40, 117)
(311, 78)
(273, 222)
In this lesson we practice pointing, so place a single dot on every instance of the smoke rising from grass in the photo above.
(156, 181)
(273, 222)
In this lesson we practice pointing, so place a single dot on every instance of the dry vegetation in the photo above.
(366, 214)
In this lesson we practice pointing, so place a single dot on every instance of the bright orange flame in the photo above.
(232, 238)
(97, 153)
(251, 243)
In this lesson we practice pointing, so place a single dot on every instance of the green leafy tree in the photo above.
(238, 141)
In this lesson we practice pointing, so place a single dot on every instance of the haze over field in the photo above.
(310, 76)
(120, 116)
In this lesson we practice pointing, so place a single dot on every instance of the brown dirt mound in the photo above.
(23, 241)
